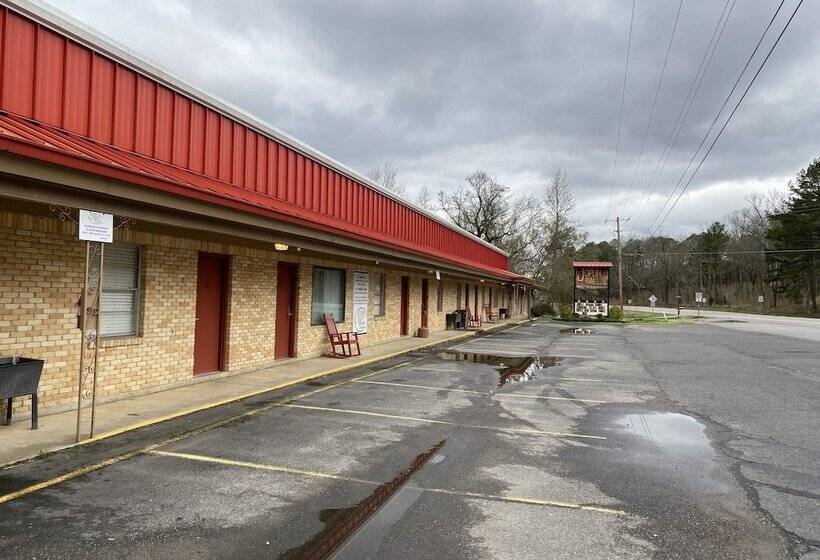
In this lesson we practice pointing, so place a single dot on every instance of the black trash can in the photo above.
(19, 377)
(461, 319)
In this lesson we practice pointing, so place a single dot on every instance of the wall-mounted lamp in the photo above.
(280, 246)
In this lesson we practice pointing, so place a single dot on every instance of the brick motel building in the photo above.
(239, 236)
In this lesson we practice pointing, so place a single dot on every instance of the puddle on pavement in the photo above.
(511, 369)
(668, 429)
(679, 437)
(577, 330)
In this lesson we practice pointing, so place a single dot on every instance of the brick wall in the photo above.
(41, 274)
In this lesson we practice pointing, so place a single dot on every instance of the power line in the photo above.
(621, 112)
(717, 116)
(688, 102)
(737, 105)
(757, 252)
(654, 104)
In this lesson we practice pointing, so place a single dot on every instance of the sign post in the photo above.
(96, 229)
(698, 300)
(652, 300)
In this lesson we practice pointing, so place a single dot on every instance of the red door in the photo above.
(209, 332)
(285, 310)
(475, 302)
(405, 305)
(424, 302)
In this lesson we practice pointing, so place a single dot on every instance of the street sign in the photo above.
(96, 226)
(698, 297)
(652, 300)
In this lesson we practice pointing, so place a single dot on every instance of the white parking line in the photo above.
(450, 492)
(445, 423)
(497, 395)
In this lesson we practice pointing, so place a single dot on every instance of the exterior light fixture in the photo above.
(280, 246)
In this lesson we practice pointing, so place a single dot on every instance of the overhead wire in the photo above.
(621, 111)
(654, 104)
(737, 105)
(688, 102)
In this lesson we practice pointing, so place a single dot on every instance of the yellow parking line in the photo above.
(499, 395)
(528, 501)
(67, 476)
(445, 423)
(151, 448)
(449, 492)
(260, 466)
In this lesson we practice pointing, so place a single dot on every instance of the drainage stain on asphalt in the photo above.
(511, 369)
(342, 523)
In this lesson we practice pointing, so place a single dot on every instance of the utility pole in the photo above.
(618, 221)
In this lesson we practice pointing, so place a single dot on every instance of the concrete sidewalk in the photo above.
(56, 431)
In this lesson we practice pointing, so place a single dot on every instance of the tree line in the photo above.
(766, 248)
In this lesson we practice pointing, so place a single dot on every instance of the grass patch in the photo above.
(630, 317)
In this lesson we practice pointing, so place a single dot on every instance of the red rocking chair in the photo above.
(343, 340)
(488, 313)
(473, 321)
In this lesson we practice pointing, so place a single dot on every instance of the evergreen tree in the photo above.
(797, 229)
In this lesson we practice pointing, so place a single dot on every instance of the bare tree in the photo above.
(555, 238)
(424, 198)
(388, 178)
(483, 207)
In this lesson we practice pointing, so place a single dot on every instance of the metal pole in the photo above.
(84, 302)
(620, 265)
(97, 341)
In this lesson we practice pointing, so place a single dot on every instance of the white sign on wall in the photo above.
(361, 297)
(96, 226)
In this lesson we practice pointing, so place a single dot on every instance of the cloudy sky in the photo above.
(440, 89)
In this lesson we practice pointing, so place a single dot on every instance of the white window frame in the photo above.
(378, 296)
(137, 291)
(343, 276)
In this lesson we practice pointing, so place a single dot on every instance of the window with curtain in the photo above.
(328, 294)
(120, 298)
(378, 295)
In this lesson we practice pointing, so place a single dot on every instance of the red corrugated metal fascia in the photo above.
(41, 143)
(53, 80)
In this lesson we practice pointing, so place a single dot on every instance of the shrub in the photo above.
(615, 313)
(540, 309)
(566, 311)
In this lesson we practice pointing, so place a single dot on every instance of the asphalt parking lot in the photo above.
(526, 443)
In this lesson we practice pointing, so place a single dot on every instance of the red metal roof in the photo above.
(591, 264)
(44, 143)
(65, 103)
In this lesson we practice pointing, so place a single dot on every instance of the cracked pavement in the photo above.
(694, 441)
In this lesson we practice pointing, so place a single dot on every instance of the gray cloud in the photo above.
(518, 88)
